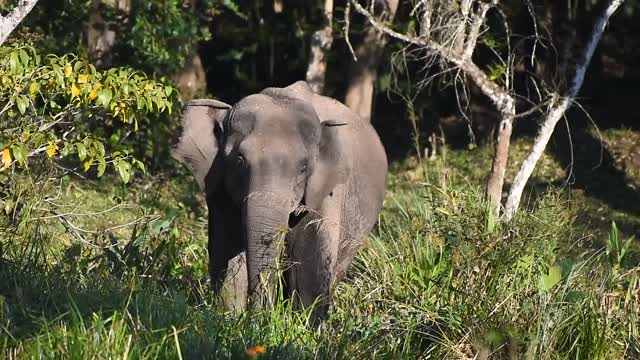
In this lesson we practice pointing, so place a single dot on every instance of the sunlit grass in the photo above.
(435, 280)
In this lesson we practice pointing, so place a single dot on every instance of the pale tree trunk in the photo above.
(100, 33)
(191, 81)
(556, 110)
(321, 41)
(277, 6)
(12, 20)
(495, 182)
(364, 71)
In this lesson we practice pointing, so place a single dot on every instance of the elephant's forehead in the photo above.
(270, 140)
(268, 153)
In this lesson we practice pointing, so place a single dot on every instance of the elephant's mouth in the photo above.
(298, 214)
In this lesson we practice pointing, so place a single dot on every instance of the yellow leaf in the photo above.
(83, 79)
(33, 88)
(6, 158)
(51, 150)
(87, 165)
(97, 86)
(68, 70)
(93, 94)
(148, 86)
(74, 90)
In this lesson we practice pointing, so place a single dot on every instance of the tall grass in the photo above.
(438, 279)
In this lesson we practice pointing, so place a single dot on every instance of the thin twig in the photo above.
(347, 13)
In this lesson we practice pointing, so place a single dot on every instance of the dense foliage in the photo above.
(60, 114)
(140, 42)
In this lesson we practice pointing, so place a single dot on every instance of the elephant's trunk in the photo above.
(266, 216)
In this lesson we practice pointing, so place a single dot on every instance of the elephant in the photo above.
(288, 162)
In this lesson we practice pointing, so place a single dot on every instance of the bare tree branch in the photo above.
(460, 57)
(557, 110)
(474, 32)
(347, 23)
(10, 22)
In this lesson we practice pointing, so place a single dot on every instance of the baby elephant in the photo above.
(290, 177)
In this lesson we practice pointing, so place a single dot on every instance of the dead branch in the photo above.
(557, 110)
(12, 20)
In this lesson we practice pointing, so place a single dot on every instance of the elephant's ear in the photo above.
(331, 168)
(202, 127)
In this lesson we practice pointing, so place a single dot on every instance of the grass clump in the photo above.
(438, 279)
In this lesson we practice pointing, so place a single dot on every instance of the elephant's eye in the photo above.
(303, 168)
(241, 161)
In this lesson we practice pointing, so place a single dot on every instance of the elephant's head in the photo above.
(271, 154)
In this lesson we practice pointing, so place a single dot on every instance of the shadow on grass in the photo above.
(49, 306)
(593, 170)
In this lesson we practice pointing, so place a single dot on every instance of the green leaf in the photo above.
(139, 164)
(550, 280)
(149, 103)
(22, 104)
(59, 73)
(14, 62)
(105, 97)
(159, 103)
(77, 66)
(82, 151)
(100, 147)
(124, 169)
(24, 57)
(168, 90)
(20, 154)
(102, 165)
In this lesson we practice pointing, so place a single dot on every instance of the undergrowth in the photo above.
(437, 279)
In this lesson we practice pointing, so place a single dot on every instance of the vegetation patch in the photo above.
(437, 279)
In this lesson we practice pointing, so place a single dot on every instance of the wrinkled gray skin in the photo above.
(283, 158)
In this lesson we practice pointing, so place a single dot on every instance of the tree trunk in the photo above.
(557, 110)
(191, 81)
(101, 34)
(321, 41)
(495, 181)
(12, 20)
(277, 6)
(364, 71)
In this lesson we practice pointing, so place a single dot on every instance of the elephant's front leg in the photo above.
(313, 251)
(227, 259)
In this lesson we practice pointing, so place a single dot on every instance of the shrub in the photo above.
(59, 115)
